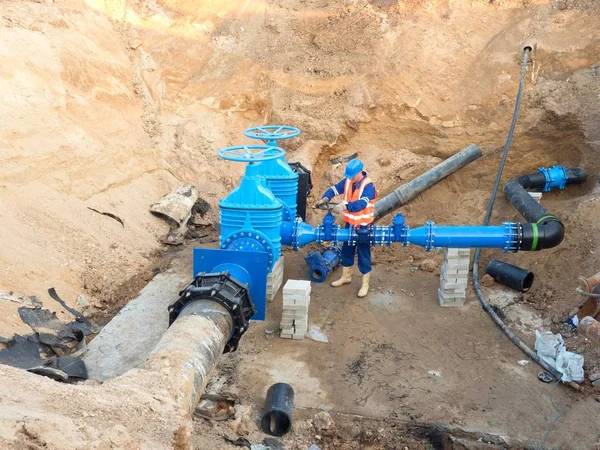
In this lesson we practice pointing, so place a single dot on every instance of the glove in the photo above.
(321, 202)
(339, 208)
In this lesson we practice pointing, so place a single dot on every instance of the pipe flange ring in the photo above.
(249, 241)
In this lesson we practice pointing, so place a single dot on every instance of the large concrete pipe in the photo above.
(188, 351)
(407, 192)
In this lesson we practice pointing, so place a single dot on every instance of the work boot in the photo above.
(345, 278)
(364, 289)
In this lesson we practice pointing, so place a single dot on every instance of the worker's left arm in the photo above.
(360, 204)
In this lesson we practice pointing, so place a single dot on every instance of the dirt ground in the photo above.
(112, 104)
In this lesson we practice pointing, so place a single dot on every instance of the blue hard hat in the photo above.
(353, 168)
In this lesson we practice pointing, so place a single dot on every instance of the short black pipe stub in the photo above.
(510, 275)
(277, 417)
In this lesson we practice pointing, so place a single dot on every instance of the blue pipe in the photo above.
(505, 236)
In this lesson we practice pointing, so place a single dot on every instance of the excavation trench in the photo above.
(156, 88)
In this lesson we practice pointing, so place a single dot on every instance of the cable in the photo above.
(557, 409)
(484, 304)
(587, 294)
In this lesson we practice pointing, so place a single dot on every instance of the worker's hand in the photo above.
(339, 208)
(321, 202)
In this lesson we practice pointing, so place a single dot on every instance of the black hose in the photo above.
(484, 304)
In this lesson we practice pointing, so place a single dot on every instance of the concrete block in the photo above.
(296, 300)
(537, 196)
(298, 336)
(295, 308)
(450, 252)
(300, 287)
(448, 301)
(275, 279)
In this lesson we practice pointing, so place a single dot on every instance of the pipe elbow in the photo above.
(547, 233)
(552, 233)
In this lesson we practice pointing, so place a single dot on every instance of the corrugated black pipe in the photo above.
(544, 230)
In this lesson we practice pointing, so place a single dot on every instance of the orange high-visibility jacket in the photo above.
(365, 216)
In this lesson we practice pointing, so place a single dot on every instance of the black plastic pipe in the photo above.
(408, 191)
(277, 418)
(544, 230)
(488, 214)
(510, 275)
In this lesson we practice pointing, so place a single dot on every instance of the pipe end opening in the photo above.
(276, 423)
(528, 281)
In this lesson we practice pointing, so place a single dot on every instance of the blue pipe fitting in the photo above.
(556, 177)
(321, 264)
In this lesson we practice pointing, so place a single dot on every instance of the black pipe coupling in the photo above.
(225, 290)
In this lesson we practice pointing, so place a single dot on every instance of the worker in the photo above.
(358, 208)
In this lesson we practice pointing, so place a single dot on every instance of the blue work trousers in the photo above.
(364, 256)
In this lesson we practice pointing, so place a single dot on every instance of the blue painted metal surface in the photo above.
(246, 267)
(279, 176)
(505, 236)
(322, 263)
(556, 177)
(251, 215)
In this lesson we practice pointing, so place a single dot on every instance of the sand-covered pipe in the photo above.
(590, 328)
(407, 192)
(185, 356)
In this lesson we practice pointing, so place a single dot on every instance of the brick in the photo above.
(298, 336)
(295, 300)
(537, 196)
(286, 335)
(300, 287)
(447, 301)
(295, 308)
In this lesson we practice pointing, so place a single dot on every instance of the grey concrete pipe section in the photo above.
(188, 351)
(405, 193)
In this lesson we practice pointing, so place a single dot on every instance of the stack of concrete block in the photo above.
(537, 196)
(275, 279)
(296, 300)
(454, 277)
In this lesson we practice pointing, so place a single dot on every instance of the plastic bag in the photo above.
(316, 334)
(551, 348)
(571, 366)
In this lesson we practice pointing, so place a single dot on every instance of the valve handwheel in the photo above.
(251, 153)
(272, 132)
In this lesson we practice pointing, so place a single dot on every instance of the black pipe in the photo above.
(544, 230)
(403, 194)
(488, 214)
(277, 418)
(510, 275)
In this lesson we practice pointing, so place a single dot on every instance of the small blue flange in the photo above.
(556, 177)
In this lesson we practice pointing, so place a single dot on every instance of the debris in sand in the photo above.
(176, 207)
(323, 421)
(316, 334)
(523, 362)
(343, 159)
(242, 425)
(111, 215)
(428, 265)
(82, 301)
(434, 373)
(487, 280)
(551, 348)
